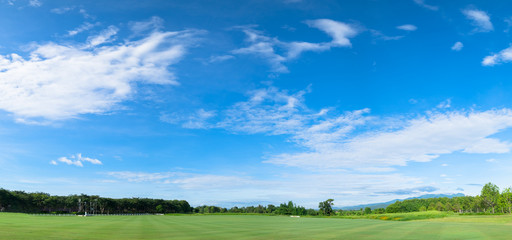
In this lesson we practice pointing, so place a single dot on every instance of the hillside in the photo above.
(385, 204)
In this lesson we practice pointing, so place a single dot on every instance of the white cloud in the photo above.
(479, 19)
(457, 46)
(445, 104)
(277, 52)
(64, 81)
(421, 139)
(353, 140)
(150, 25)
(222, 58)
(140, 176)
(76, 160)
(84, 27)
(382, 36)
(444, 165)
(104, 37)
(197, 120)
(309, 189)
(62, 10)
(503, 56)
(35, 3)
(423, 4)
(340, 32)
(491, 160)
(407, 27)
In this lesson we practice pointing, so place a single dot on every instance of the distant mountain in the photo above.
(385, 204)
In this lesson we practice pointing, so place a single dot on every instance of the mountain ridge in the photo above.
(385, 204)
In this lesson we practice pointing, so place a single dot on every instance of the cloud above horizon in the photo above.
(62, 81)
(76, 160)
(277, 52)
(334, 141)
(479, 19)
(503, 56)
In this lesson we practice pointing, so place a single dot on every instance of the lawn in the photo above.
(22, 226)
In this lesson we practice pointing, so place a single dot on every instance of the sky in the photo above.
(255, 102)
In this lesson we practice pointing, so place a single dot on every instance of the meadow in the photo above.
(24, 226)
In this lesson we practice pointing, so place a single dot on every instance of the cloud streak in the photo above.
(58, 82)
(357, 141)
(277, 52)
(76, 160)
(479, 19)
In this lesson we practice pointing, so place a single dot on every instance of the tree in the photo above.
(507, 196)
(490, 193)
(326, 206)
(367, 210)
(159, 209)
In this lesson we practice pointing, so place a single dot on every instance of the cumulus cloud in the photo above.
(59, 81)
(76, 160)
(457, 46)
(479, 19)
(407, 27)
(503, 56)
(277, 52)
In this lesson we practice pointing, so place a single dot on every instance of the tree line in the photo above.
(490, 200)
(38, 202)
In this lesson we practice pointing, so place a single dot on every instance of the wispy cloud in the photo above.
(60, 81)
(277, 52)
(503, 56)
(140, 176)
(427, 6)
(479, 19)
(84, 27)
(105, 36)
(407, 27)
(62, 10)
(310, 188)
(338, 141)
(221, 58)
(379, 35)
(445, 104)
(457, 46)
(409, 191)
(198, 120)
(76, 160)
(35, 3)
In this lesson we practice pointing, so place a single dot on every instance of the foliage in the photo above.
(19, 201)
(326, 207)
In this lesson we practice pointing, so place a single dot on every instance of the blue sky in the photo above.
(255, 102)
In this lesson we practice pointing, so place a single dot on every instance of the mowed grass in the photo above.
(22, 226)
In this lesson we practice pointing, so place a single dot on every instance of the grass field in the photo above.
(22, 226)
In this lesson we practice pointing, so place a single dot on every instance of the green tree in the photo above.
(367, 210)
(490, 194)
(507, 197)
(326, 206)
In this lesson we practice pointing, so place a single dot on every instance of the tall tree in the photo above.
(490, 194)
(326, 206)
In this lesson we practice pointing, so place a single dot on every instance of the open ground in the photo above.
(23, 226)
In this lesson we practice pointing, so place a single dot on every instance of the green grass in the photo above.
(403, 216)
(22, 226)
